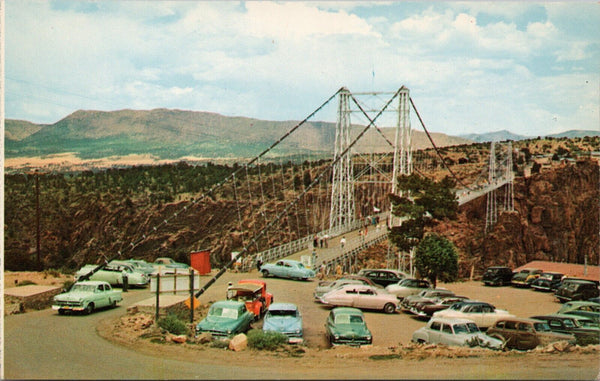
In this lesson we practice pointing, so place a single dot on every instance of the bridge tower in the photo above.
(509, 195)
(403, 164)
(491, 214)
(342, 190)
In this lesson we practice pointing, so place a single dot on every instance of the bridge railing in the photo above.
(304, 243)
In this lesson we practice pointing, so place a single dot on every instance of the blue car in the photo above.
(287, 268)
(285, 318)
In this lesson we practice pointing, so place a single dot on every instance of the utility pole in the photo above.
(37, 220)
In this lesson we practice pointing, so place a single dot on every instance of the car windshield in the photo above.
(281, 313)
(466, 328)
(348, 319)
(546, 276)
(83, 288)
(230, 313)
(300, 265)
(541, 327)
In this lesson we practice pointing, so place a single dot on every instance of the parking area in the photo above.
(388, 330)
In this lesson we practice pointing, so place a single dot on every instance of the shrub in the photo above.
(268, 340)
(173, 324)
(52, 272)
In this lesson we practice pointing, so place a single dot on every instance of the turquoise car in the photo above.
(285, 318)
(113, 273)
(346, 325)
(287, 268)
(226, 318)
(86, 296)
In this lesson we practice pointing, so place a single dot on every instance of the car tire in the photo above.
(89, 309)
(265, 273)
(61, 311)
(113, 304)
(389, 308)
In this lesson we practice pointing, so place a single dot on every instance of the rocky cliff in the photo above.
(556, 218)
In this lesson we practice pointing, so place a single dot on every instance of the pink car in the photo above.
(361, 296)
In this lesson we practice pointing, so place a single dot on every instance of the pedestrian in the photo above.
(321, 242)
(316, 241)
(258, 261)
(229, 290)
(326, 239)
(343, 242)
(314, 259)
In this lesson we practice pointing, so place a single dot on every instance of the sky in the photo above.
(472, 67)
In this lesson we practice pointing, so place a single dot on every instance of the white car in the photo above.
(482, 313)
(461, 332)
(361, 296)
(407, 287)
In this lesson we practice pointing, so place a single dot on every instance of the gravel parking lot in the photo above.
(388, 330)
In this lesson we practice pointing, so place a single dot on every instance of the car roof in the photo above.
(580, 303)
(283, 307)
(229, 303)
(358, 287)
(347, 310)
(520, 320)
(92, 282)
(559, 316)
(448, 320)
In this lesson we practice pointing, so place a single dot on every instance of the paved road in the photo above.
(46, 345)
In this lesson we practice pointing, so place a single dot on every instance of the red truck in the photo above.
(253, 293)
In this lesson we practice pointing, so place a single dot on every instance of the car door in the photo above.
(279, 269)
(100, 296)
(367, 298)
(446, 336)
(434, 332)
(527, 339)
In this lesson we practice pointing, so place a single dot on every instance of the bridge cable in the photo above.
(294, 202)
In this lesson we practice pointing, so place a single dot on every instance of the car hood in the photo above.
(218, 324)
(72, 296)
(282, 324)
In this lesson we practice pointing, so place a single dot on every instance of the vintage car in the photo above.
(460, 332)
(585, 333)
(425, 295)
(87, 296)
(164, 263)
(142, 266)
(497, 276)
(426, 308)
(226, 318)
(548, 281)
(113, 274)
(285, 318)
(482, 313)
(361, 296)
(591, 310)
(347, 326)
(407, 287)
(383, 277)
(253, 293)
(287, 268)
(325, 286)
(576, 290)
(524, 277)
(524, 334)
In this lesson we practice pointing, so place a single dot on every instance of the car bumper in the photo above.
(68, 308)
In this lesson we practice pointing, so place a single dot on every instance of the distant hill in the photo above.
(507, 135)
(172, 134)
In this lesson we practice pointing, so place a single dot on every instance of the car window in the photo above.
(500, 324)
(351, 291)
(446, 328)
(525, 327)
(555, 324)
(366, 292)
(436, 326)
(510, 325)
(569, 323)
(280, 263)
(541, 327)
(472, 328)
(460, 328)
(486, 309)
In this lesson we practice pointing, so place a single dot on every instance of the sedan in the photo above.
(347, 326)
(113, 273)
(483, 314)
(426, 295)
(325, 287)
(585, 333)
(524, 334)
(226, 318)
(284, 318)
(427, 308)
(287, 268)
(361, 296)
(407, 287)
(548, 281)
(461, 332)
(383, 277)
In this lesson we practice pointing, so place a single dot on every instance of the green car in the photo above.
(346, 325)
(226, 318)
(86, 296)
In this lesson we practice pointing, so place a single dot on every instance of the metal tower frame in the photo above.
(342, 189)
(509, 195)
(491, 214)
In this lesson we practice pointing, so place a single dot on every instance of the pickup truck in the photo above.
(86, 296)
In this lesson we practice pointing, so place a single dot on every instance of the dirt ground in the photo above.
(392, 333)
(48, 278)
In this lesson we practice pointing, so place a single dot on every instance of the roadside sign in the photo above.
(188, 303)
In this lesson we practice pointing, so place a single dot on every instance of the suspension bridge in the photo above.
(346, 196)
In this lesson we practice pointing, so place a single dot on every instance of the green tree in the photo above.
(437, 258)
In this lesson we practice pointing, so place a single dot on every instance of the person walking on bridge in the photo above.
(343, 241)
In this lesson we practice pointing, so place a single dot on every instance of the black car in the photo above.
(383, 277)
(585, 330)
(497, 276)
(548, 281)
(577, 290)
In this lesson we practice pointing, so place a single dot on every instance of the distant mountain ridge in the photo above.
(172, 134)
(503, 135)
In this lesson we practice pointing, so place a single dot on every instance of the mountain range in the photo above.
(507, 135)
(173, 134)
